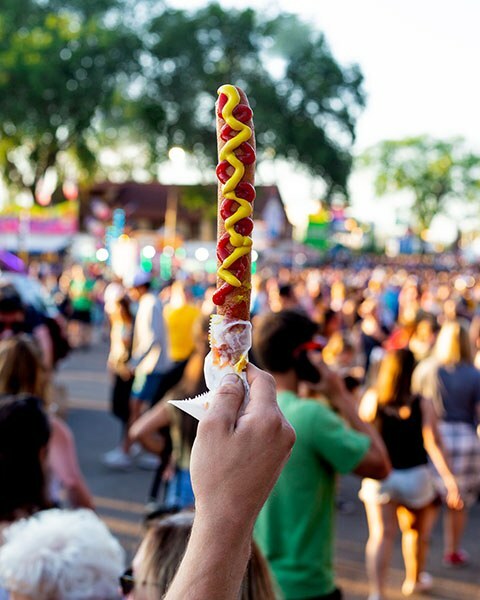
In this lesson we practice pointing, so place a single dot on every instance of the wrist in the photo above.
(342, 399)
(229, 525)
(450, 481)
(224, 537)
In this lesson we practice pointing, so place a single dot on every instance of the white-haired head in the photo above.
(61, 555)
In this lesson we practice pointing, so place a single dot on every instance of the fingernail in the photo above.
(231, 379)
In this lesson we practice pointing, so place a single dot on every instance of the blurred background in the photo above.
(365, 121)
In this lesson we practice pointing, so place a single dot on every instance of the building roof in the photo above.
(148, 201)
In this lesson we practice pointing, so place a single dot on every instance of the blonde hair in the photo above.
(21, 367)
(453, 344)
(163, 548)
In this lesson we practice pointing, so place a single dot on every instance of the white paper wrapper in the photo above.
(230, 341)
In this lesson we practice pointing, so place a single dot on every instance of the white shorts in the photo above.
(412, 488)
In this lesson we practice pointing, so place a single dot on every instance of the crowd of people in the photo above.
(373, 370)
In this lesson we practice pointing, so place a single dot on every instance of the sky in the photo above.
(420, 60)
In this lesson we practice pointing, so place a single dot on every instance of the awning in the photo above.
(35, 243)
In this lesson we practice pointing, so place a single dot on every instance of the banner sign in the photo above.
(58, 219)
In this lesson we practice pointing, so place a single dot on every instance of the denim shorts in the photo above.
(180, 492)
(413, 488)
(145, 387)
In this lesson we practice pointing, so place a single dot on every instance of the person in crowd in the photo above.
(408, 493)
(121, 335)
(148, 362)
(183, 427)
(449, 378)
(400, 335)
(61, 296)
(61, 555)
(259, 303)
(15, 318)
(295, 527)
(82, 300)
(24, 437)
(149, 358)
(423, 338)
(341, 355)
(23, 458)
(58, 292)
(113, 291)
(161, 551)
(180, 315)
(22, 372)
(475, 338)
(373, 331)
(331, 324)
(287, 299)
(408, 300)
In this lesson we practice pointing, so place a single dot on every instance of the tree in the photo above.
(61, 68)
(77, 76)
(304, 112)
(435, 171)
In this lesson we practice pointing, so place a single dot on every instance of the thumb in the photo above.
(228, 399)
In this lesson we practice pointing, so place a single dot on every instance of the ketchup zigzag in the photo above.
(237, 195)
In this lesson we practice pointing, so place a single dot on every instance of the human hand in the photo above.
(237, 457)
(331, 384)
(453, 498)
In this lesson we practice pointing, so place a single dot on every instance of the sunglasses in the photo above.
(14, 327)
(127, 582)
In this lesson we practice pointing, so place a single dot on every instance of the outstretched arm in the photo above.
(236, 460)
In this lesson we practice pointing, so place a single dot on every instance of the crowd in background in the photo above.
(375, 364)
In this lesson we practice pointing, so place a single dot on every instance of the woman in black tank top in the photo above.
(407, 424)
(402, 435)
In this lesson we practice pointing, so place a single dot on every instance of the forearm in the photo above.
(215, 562)
(44, 340)
(79, 496)
(136, 360)
(378, 463)
(435, 452)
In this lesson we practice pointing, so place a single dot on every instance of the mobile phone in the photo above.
(305, 369)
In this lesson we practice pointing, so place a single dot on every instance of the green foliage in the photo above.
(305, 113)
(77, 76)
(435, 171)
(59, 73)
(199, 199)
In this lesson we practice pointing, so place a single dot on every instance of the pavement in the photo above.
(121, 497)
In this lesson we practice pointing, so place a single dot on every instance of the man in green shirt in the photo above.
(295, 527)
(81, 299)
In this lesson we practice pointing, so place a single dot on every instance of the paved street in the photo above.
(120, 497)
